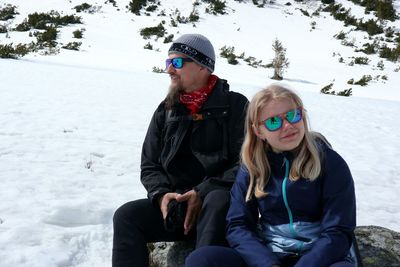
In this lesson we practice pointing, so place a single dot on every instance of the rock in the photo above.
(170, 254)
(379, 247)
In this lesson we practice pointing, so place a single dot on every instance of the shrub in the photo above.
(346, 92)
(232, 59)
(158, 70)
(136, 5)
(361, 60)
(8, 12)
(23, 26)
(78, 34)
(364, 80)
(216, 7)
(72, 46)
(226, 51)
(327, 89)
(385, 10)
(47, 38)
(9, 51)
(252, 61)
(229, 54)
(370, 26)
(340, 36)
(369, 48)
(82, 7)
(380, 65)
(148, 46)
(151, 8)
(194, 16)
(158, 31)
(168, 39)
(42, 21)
(3, 29)
(389, 53)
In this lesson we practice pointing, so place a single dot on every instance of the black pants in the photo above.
(138, 222)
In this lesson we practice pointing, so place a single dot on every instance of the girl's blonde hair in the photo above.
(306, 163)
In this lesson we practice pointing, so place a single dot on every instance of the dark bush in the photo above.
(391, 54)
(158, 31)
(82, 7)
(340, 36)
(78, 34)
(3, 29)
(194, 16)
(216, 7)
(361, 60)
(42, 21)
(47, 38)
(369, 48)
(364, 80)
(385, 10)
(370, 26)
(151, 8)
(72, 46)
(8, 12)
(168, 39)
(23, 26)
(148, 46)
(136, 5)
(9, 51)
(345, 92)
(327, 89)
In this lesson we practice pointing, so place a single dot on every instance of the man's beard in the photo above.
(173, 96)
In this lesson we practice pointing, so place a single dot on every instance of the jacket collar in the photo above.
(218, 97)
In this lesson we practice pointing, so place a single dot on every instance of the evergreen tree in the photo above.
(280, 62)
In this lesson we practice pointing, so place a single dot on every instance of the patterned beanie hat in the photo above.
(196, 47)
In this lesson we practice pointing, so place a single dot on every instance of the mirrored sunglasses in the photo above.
(275, 123)
(177, 62)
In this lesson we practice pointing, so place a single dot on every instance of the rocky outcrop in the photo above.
(379, 247)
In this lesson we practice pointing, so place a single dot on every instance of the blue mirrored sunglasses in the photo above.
(177, 62)
(275, 123)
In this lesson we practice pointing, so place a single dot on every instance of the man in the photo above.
(189, 158)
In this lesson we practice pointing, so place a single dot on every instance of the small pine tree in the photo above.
(280, 62)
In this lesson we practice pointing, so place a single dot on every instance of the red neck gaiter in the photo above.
(195, 100)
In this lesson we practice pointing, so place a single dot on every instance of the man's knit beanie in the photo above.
(196, 47)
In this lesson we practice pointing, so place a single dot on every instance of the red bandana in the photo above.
(195, 100)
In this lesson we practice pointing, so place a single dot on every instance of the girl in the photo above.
(293, 202)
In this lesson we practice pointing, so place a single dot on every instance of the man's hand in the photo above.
(163, 202)
(194, 204)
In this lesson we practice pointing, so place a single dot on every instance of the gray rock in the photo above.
(379, 247)
(170, 254)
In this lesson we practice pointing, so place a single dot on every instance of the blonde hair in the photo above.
(306, 163)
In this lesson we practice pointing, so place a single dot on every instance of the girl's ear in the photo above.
(257, 133)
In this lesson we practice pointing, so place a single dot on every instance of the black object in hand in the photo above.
(175, 216)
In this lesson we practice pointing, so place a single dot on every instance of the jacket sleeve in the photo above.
(153, 176)
(338, 214)
(242, 222)
(235, 139)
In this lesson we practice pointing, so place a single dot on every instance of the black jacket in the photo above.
(207, 145)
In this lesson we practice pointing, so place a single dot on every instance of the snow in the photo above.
(72, 124)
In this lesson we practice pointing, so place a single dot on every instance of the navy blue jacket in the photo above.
(328, 204)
